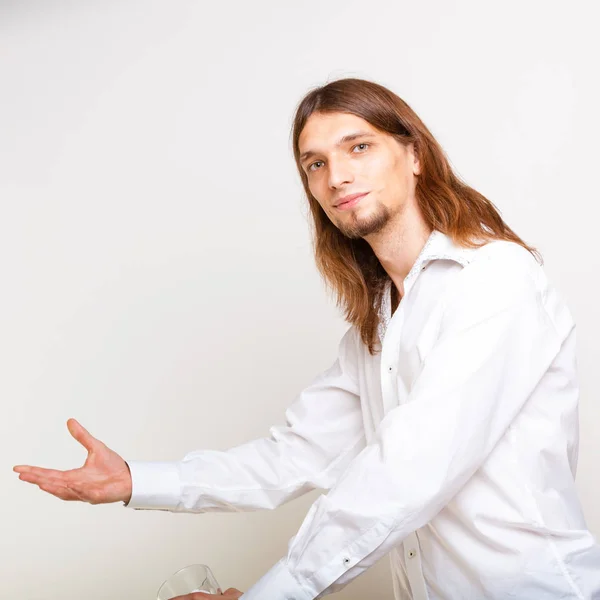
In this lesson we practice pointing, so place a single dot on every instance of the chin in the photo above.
(363, 226)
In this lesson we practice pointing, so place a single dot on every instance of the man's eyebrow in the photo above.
(343, 140)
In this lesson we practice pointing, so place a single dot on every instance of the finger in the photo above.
(43, 482)
(38, 471)
(60, 491)
(82, 435)
(38, 476)
(62, 487)
(56, 487)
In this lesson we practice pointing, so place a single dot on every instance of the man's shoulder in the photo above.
(504, 274)
(498, 270)
(503, 258)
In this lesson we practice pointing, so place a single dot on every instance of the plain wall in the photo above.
(155, 256)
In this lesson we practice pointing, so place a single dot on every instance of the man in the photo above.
(446, 431)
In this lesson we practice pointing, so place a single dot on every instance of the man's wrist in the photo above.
(128, 486)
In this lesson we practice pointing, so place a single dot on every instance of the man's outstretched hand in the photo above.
(103, 478)
(230, 594)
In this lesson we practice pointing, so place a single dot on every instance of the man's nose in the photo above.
(340, 173)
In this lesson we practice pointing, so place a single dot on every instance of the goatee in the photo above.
(362, 227)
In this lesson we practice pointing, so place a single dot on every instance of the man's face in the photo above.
(342, 156)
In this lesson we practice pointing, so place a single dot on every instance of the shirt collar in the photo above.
(439, 246)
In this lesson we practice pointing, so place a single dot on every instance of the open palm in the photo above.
(103, 478)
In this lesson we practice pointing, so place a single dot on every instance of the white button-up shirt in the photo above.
(453, 449)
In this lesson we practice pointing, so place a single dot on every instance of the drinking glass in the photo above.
(193, 578)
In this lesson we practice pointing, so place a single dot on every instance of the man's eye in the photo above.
(362, 147)
(314, 166)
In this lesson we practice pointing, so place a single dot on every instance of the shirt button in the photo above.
(346, 561)
(390, 369)
(412, 553)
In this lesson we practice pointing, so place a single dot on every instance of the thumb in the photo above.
(82, 435)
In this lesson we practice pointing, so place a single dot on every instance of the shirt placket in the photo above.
(414, 567)
(391, 396)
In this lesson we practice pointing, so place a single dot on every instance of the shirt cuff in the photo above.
(155, 485)
(279, 584)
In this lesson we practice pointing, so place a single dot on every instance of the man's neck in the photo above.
(399, 245)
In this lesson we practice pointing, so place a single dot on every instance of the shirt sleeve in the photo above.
(323, 433)
(497, 339)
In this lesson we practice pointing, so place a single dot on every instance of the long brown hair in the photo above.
(349, 266)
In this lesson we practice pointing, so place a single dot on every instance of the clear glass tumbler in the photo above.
(193, 578)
